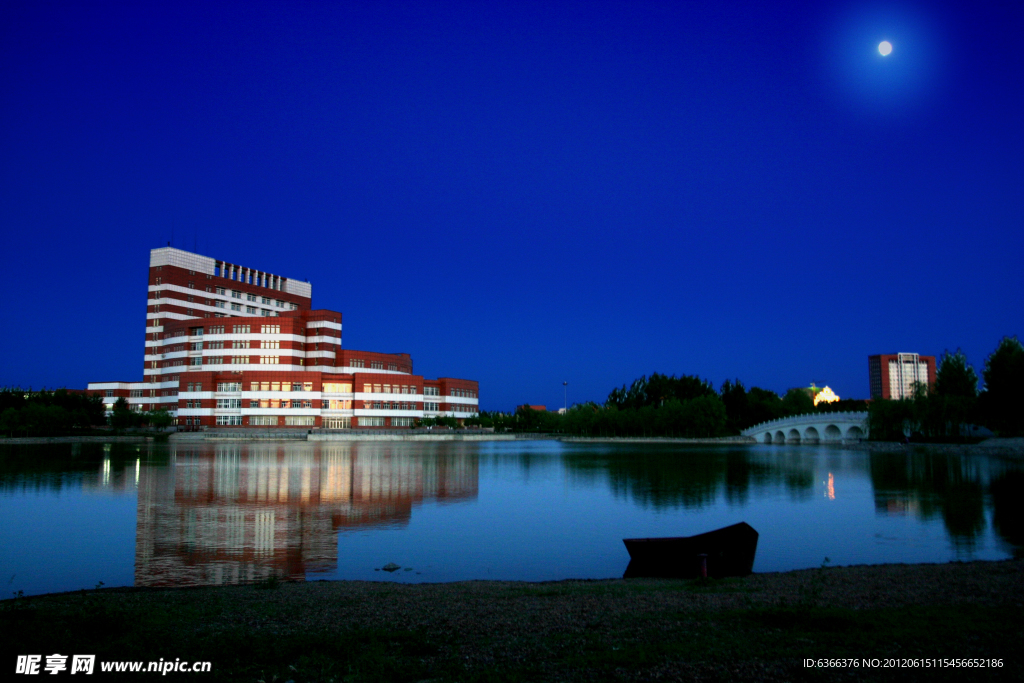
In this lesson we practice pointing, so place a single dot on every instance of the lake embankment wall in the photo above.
(74, 439)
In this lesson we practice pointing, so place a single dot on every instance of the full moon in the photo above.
(884, 48)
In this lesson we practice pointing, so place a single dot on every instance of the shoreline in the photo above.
(1009, 447)
(759, 627)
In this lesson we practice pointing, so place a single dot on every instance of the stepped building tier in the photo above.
(228, 345)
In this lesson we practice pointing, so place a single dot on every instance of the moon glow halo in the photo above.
(884, 48)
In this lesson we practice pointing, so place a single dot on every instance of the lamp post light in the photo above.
(565, 397)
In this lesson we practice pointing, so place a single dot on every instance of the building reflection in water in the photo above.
(237, 513)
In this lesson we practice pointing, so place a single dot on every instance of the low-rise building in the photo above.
(233, 346)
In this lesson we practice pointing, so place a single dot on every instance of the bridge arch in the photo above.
(767, 437)
(779, 437)
(854, 433)
(810, 436)
(793, 436)
(833, 433)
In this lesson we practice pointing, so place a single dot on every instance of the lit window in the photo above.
(270, 360)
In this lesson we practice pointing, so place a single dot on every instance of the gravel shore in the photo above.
(761, 627)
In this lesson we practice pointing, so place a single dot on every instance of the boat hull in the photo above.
(728, 551)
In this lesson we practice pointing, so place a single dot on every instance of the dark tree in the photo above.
(1002, 402)
(955, 376)
(734, 398)
(798, 402)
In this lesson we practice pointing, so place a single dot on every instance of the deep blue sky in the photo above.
(524, 193)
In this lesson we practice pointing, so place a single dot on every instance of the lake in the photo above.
(78, 516)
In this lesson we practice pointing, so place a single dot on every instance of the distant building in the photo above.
(893, 376)
(825, 395)
(527, 406)
(818, 394)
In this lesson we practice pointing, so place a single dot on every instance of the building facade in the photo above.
(893, 376)
(232, 346)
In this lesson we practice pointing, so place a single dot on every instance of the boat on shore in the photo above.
(728, 551)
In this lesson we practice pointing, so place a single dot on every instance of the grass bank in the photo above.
(757, 628)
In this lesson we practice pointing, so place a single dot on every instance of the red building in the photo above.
(892, 376)
(228, 345)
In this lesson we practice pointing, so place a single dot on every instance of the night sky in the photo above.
(524, 193)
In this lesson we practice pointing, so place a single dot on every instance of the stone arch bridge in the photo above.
(812, 428)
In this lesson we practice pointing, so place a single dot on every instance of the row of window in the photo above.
(328, 388)
(388, 405)
(389, 389)
(374, 364)
(280, 386)
(198, 361)
(302, 421)
(280, 403)
(235, 344)
(464, 393)
(236, 403)
(220, 329)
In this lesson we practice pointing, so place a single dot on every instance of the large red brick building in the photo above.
(228, 345)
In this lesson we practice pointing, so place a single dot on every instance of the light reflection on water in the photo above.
(238, 512)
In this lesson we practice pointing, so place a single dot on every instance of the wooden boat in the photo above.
(728, 551)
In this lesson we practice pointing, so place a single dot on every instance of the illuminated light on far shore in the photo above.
(826, 395)
(884, 48)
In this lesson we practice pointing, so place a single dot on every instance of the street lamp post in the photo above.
(565, 396)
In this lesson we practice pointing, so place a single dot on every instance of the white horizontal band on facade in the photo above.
(287, 412)
(100, 386)
(194, 292)
(349, 370)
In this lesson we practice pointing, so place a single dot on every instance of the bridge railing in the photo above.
(817, 417)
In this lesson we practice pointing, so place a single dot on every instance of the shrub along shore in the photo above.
(762, 627)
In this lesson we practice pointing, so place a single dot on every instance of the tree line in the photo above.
(666, 405)
(690, 407)
(62, 413)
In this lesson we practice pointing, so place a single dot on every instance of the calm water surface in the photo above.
(172, 515)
